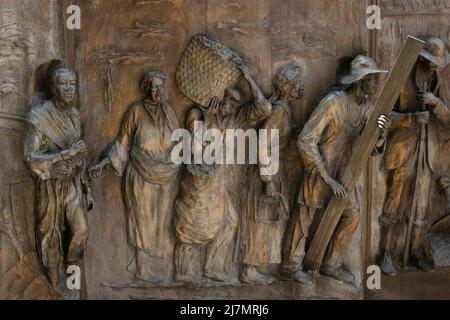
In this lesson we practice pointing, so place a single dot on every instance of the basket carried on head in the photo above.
(206, 69)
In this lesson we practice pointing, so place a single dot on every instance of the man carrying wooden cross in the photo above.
(325, 146)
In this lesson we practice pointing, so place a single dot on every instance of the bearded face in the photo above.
(369, 85)
(428, 65)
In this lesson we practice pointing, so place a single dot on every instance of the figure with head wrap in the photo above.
(267, 209)
(206, 221)
(56, 153)
(141, 154)
(325, 147)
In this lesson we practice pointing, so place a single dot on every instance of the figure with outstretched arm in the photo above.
(141, 153)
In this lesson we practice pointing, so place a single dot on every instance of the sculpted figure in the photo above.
(205, 217)
(412, 158)
(141, 153)
(56, 154)
(325, 146)
(267, 209)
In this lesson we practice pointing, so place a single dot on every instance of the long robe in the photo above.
(262, 240)
(204, 212)
(142, 154)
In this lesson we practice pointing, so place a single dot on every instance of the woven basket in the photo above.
(206, 70)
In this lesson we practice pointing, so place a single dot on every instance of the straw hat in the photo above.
(360, 67)
(436, 52)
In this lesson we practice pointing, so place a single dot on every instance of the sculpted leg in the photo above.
(78, 228)
(421, 252)
(390, 218)
(341, 237)
(143, 271)
(186, 259)
(221, 250)
(296, 236)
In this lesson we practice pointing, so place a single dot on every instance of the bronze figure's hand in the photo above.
(214, 106)
(427, 98)
(240, 64)
(422, 117)
(270, 190)
(95, 171)
(338, 189)
(78, 148)
(61, 170)
(384, 123)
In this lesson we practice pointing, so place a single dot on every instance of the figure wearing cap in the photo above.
(325, 146)
(421, 104)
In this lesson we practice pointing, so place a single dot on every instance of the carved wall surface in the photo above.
(120, 39)
(28, 38)
(134, 35)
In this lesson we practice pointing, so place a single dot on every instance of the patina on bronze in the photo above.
(267, 209)
(56, 154)
(165, 230)
(325, 146)
(206, 220)
(412, 158)
(141, 154)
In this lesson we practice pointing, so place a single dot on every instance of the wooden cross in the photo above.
(363, 148)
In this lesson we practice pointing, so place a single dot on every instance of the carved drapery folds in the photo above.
(143, 72)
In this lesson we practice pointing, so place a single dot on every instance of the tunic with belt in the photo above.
(141, 152)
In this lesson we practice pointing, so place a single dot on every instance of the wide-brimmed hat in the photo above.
(360, 67)
(436, 52)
